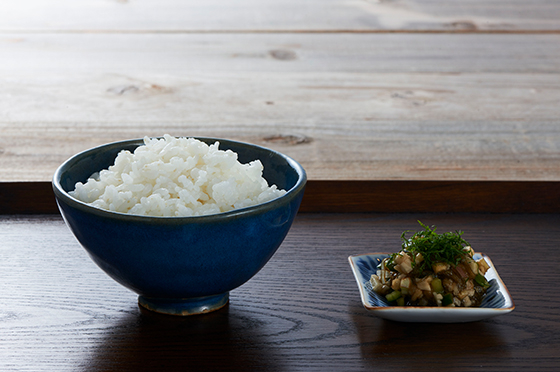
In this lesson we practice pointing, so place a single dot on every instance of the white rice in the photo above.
(176, 177)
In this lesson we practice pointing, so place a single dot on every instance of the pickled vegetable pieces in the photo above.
(432, 269)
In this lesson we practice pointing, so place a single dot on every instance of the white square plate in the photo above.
(496, 301)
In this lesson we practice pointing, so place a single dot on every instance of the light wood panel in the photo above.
(391, 151)
(348, 107)
(279, 15)
(48, 57)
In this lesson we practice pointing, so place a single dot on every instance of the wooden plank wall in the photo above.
(280, 15)
(354, 90)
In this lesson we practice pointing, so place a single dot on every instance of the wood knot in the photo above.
(288, 139)
(123, 89)
(134, 88)
(283, 54)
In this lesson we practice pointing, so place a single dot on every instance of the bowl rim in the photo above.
(62, 195)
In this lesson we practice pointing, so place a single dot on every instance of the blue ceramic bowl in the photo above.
(181, 265)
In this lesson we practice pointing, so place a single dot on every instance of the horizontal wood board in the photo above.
(347, 106)
(272, 15)
(302, 312)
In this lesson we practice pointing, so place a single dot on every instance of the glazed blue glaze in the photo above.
(166, 259)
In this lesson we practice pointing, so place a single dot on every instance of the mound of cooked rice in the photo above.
(176, 177)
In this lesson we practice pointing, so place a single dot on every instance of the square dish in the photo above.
(497, 300)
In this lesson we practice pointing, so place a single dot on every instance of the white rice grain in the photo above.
(176, 177)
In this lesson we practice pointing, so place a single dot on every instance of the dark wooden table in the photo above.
(301, 312)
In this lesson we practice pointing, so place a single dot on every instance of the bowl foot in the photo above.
(185, 306)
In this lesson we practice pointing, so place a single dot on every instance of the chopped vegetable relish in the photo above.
(432, 269)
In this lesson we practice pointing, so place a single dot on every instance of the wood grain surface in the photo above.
(354, 90)
(347, 106)
(302, 312)
(271, 15)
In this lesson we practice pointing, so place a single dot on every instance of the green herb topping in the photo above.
(447, 248)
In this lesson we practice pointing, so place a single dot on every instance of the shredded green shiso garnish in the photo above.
(434, 247)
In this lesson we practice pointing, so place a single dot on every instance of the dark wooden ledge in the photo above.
(432, 196)
(360, 197)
